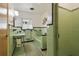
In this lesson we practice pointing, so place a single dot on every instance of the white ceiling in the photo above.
(39, 7)
(69, 6)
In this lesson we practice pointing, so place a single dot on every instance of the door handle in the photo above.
(58, 35)
(6, 35)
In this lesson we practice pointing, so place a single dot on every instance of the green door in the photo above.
(68, 29)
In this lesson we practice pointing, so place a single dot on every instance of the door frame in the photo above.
(54, 40)
(55, 27)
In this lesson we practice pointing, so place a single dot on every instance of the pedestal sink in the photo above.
(18, 37)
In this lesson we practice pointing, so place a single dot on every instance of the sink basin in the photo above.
(15, 33)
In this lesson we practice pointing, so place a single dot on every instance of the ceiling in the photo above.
(38, 7)
(69, 6)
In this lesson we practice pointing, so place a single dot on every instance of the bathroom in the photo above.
(28, 24)
(39, 29)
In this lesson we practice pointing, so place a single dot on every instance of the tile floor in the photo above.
(19, 51)
(29, 49)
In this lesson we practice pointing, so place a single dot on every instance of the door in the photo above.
(64, 31)
(3, 30)
(3, 42)
(68, 30)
